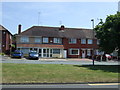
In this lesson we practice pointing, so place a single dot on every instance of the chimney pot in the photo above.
(62, 27)
(19, 28)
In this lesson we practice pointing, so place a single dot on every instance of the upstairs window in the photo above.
(24, 39)
(57, 40)
(83, 41)
(38, 40)
(98, 42)
(45, 40)
(72, 41)
(90, 41)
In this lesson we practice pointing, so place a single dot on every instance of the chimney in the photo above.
(19, 28)
(62, 27)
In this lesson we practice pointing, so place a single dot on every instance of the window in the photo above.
(96, 52)
(72, 41)
(57, 40)
(83, 41)
(37, 40)
(89, 52)
(4, 32)
(24, 39)
(74, 51)
(98, 42)
(45, 40)
(90, 41)
(56, 51)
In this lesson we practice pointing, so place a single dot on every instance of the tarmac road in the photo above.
(98, 85)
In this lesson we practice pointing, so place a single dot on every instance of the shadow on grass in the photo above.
(105, 68)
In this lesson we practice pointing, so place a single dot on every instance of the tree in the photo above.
(108, 33)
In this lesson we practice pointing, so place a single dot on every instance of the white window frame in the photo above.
(70, 51)
(45, 40)
(83, 41)
(57, 40)
(38, 40)
(98, 42)
(72, 41)
(24, 39)
(88, 52)
(54, 52)
(90, 41)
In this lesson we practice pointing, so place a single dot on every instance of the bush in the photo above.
(2, 54)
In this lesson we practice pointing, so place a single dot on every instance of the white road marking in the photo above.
(104, 84)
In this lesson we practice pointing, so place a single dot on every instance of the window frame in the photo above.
(57, 40)
(83, 39)
(98, 42)
(70, 51)
(43, 40)
(72, 41)
(57, 52)
(24, 39)
(90, 41)
(88, 52)
(38, 38)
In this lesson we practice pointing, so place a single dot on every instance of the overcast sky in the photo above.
(70, 14)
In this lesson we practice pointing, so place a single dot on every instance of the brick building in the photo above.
(58, 42)
(5, 40)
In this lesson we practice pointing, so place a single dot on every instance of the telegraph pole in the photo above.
(93, 39)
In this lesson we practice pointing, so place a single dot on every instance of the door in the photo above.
(46, 52)
(83, 53)
(64, 53)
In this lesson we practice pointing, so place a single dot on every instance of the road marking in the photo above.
(104, 84)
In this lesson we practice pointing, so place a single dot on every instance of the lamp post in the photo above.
(93, 39)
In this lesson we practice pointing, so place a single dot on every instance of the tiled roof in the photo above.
(55, 32)
(2, 28)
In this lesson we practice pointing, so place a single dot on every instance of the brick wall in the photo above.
(65, 45)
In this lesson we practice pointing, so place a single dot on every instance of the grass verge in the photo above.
(52, 73)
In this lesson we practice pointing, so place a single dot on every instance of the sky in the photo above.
(54, 14)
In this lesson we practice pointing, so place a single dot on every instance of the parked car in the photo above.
(17, 54)
(33, 55)
(108, 56)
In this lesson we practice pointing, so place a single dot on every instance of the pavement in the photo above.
(71, 61)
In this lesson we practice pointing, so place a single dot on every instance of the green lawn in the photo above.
(51, 73)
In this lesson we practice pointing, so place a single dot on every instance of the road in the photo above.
(57, 61)
(103, 85)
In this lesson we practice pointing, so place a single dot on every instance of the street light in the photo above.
(93, 38)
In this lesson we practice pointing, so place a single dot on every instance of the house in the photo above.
(60, 42)
(5, 40)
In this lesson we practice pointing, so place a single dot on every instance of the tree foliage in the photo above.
(108, 33)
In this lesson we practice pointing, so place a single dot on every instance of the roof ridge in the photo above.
(65, 27)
